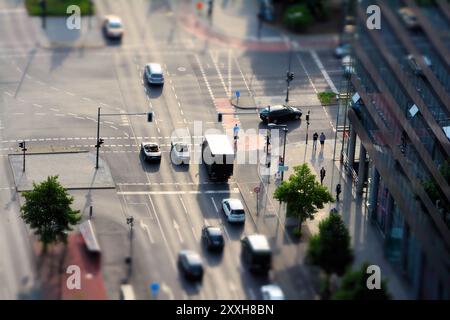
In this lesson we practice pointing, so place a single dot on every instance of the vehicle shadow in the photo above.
(149, 166)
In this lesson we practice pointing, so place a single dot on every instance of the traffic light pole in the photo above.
(284, 152)
(24, 149)
(98, 138)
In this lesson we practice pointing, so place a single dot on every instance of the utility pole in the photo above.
(99, 140)
(129, 260)
(24, 149)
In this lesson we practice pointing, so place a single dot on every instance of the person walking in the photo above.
(235, 132)
(315, 137)
(338, 191)
(322, 141)
(322, 175)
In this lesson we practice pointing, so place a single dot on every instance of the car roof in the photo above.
(191, 256)
(259, 242)
(155, 67)
(219, 144)
(112, 18)
(277, 107)
(273, 290)
(214, 231)
(235, 204)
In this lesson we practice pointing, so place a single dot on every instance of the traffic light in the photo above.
(219, 117)
(290, 76)
(22, 144)
(100, 142)
(307, 117)
(150, 117)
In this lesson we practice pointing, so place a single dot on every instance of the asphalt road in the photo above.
(50, 96)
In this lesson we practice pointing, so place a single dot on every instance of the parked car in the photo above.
(191, 265)
(280, 113)
(234, 210)
(113, 27)
(179, 153)
(213, 238)
(412, 62)
(154, 73)
(409, 18)
(272, 292)
(151, 151)
(342, 50)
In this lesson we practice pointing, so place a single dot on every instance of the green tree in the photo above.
(303, 195)
(330, 249)
(47, 211)
(354, 287)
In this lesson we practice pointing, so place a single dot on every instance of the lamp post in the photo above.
(130, 222)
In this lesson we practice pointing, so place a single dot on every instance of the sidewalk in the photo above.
(235, 23)
(367, 244)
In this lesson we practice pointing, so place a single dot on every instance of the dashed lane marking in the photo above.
(177, 192)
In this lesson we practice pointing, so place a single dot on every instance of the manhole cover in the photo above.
(181, 69)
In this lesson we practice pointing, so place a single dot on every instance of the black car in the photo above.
(191, 265)
(280, 113)
(213, 238)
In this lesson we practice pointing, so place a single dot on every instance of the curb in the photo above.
(234, 104)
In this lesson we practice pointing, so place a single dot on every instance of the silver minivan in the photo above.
(154, 73)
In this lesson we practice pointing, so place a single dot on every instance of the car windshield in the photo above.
(151, 148)
(181, 148)
(157, 75)
(238, 212)
(115, 24)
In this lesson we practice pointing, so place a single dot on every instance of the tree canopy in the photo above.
(47, 211)
(330, 249)
(303, 194)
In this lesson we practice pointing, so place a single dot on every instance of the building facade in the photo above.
(397, 145)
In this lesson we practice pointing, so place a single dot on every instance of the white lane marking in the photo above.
(87, 99)
(70, 93)
(162, 232)
(40, 114)
(147, 230)
(307, 74)
(184, 206)
(125, 193)
(165, 288)
(324, 72)
(8, 93)
(55, 89)
(54, 109)
(205, 79)
(214, 204)
(18, 114)
(113, 127)
(177, 229)
(194, 233)
(37, 105)
(220, 75)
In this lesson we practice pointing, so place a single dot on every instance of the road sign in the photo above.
(282, 168)
(256, 189)
(238, 94)
(154, 287)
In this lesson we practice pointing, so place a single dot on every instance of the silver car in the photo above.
(154, 73)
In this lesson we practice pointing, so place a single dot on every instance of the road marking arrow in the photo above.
(147, 230)
(177, 229)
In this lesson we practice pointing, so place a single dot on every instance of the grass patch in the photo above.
(58, 7)
(327, 97)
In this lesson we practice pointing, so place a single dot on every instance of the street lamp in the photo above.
(130, 222)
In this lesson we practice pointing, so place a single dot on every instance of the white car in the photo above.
(179, 153)
(151, 151)
(113, 27)
(234, 210)
(154, 73)
(272, 292)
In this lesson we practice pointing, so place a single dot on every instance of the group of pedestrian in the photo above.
(338, 186)
(321, 139)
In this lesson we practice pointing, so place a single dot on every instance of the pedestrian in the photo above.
(210, 8)
(322, 175)
(235, 132)
(315, 137)
(338, 191)
(322, 141)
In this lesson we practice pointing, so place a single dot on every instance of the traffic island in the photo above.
(76, 170)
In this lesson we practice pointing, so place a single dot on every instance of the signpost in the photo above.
(238, 94)
(257, 190)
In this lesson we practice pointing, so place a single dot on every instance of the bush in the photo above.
(57, 7)
(297, 17)
(326, 97)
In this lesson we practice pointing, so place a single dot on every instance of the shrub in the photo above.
(297, 17)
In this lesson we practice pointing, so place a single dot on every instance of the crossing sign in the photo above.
(238, 94)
